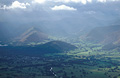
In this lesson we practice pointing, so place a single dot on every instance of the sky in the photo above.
(57, 4)
(67, 16)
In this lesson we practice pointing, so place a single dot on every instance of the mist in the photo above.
(86, 17)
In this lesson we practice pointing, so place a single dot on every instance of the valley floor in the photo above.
(88, 61)
(60, 66)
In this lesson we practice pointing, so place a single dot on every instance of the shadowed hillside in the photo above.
(50, 47)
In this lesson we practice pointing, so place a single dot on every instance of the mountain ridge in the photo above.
(33, 35)
(104, 35)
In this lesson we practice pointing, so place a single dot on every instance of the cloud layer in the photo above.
(16, 4)
(72, 1)
(39, 1)
(63, 7)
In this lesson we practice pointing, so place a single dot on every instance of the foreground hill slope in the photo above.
(50, 47)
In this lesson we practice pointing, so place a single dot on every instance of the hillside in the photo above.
(59, 46)
(5, 34)
(105, 35)
(50, 47)
(33, 35)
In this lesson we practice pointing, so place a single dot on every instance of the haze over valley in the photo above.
(60, 39)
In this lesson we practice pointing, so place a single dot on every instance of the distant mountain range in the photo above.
(103, 35)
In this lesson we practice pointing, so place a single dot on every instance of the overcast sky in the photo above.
(55, 4)
(14, 10)
(66, 14)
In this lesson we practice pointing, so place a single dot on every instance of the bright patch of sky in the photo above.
(102, 0)
(39, 1)
(71, 1)
(63, 7)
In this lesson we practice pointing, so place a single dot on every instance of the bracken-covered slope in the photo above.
(105, 35)
(33, 35)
